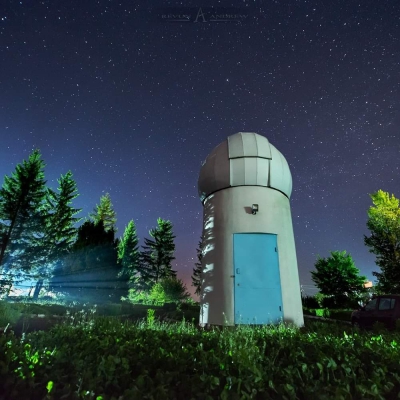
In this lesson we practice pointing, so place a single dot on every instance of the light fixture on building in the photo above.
(254, 209)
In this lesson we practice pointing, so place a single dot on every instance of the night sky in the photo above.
(132, 101)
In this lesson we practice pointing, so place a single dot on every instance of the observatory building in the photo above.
(249, 265)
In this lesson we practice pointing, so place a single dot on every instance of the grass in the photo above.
(18, 314)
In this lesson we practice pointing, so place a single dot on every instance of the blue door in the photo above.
(258, 296)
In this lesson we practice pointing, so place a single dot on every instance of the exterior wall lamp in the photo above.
(254, 209)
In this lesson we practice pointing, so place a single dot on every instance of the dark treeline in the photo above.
(43, 240)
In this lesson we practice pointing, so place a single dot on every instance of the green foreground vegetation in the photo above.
(85, 356)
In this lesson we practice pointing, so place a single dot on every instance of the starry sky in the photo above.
(131, 96)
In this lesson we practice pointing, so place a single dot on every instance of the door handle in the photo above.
(280, 308)
(238, 270)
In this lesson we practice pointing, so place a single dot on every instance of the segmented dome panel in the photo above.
(244, 159)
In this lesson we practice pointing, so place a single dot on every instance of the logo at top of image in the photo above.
(202, 14)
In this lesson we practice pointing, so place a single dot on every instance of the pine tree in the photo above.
(61, 232)
(22, 215)
(129, 254)
(105, 212)
(157, 255)
(196, 277)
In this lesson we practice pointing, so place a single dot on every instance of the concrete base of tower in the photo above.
(229, 212)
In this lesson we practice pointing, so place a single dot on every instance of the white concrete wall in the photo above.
(226, 212)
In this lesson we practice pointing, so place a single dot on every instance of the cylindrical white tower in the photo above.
(249, 265)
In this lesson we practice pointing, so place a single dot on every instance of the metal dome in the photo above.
(244, 159)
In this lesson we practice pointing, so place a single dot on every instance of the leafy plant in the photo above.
(150, 316)
(322, 312)
(108, 359)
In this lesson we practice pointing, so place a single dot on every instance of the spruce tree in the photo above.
(157, 255)
(22, 215)
(196, 277)
(61, 232)
(129, 254)
(61, 222)
(105, 212)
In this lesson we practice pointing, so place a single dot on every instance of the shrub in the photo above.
(343, 315)
(322, 312)
(379, 327)
(172, 290)
(310, 302)
(9, 314)
(319, 298)
(170, 306)
(167, 290)
(157, 295)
